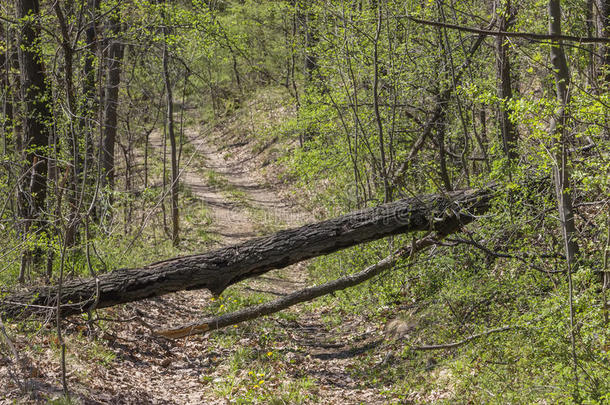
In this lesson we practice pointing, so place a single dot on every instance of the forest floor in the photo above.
(299, 356)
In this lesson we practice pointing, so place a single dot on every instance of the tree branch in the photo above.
(526, 35)
(466, 340)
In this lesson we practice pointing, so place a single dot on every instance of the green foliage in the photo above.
(241, 65)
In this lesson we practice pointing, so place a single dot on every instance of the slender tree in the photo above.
(5, 89)
(561, 168)
(115, 57)
(89, 105)
(172, 137)
(603, 30)
(36, 116)
(71, 128)
(506, 14)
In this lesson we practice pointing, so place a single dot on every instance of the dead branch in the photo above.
(466, 340)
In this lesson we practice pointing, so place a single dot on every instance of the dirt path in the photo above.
(129, 365)
(242, 207)
(238, 193)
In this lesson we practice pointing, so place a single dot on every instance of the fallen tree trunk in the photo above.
(306, 294)
(218, 269)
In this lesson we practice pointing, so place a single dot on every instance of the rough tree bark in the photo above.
(221, 268)
(89, 104)
(172, 140)
(307, 15)
(72, 134)
(603, 31)
(380, 133)
(561, 170)
(115, 57)
(561, 167)
(296, 297)
(33, 188)
(505, 91)
(5, 89)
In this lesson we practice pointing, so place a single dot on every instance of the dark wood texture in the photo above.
(218, 269)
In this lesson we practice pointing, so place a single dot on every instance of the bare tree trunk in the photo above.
(384, 172)
(307, 17)
(115, 57)
(603, 31)
(558, 129)
(90, 104)
(441, 127)
(68, 54)
(505, 92)
(290, 79)
(561, 169)
(5, 83)
(172, 140)
(311, 39)
(33, 189)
